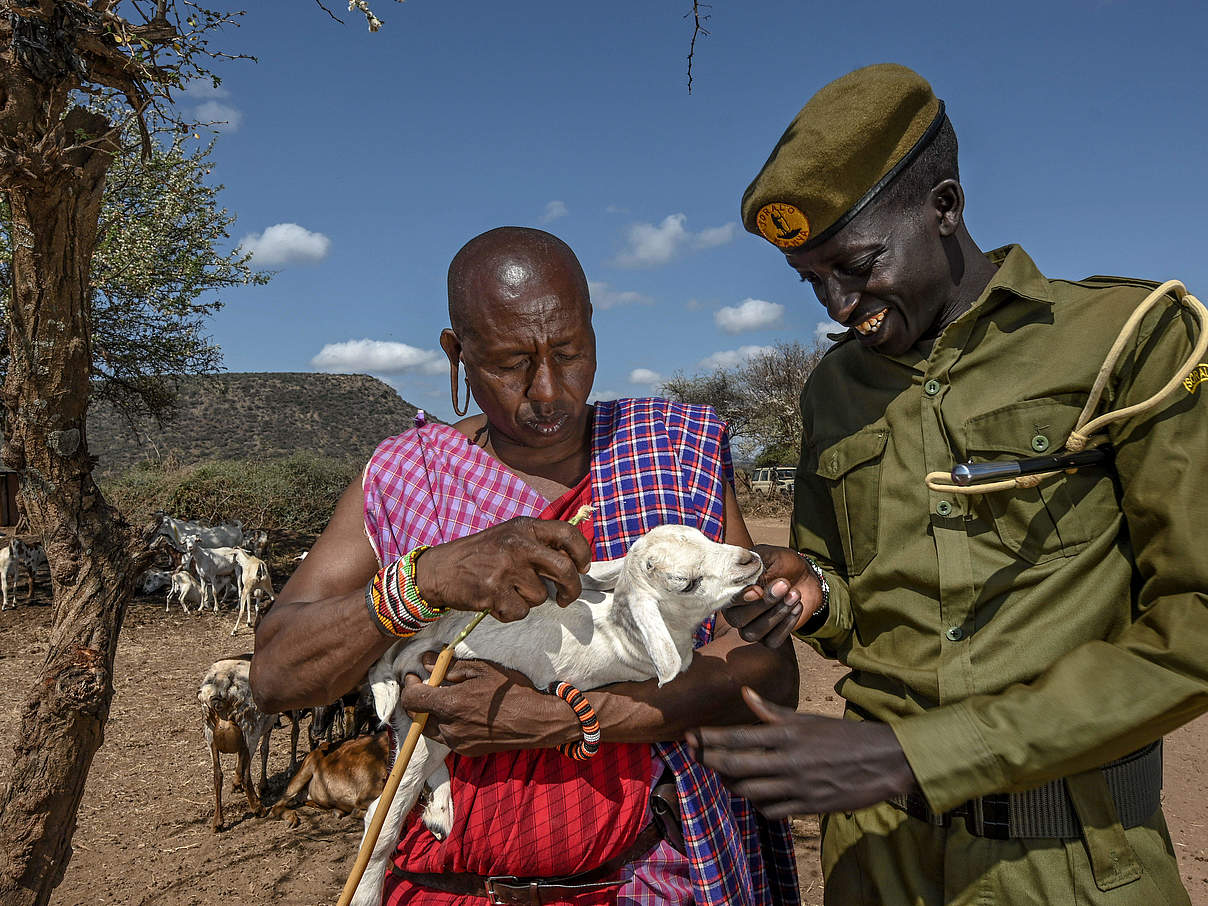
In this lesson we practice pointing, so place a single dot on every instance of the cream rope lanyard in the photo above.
(1084, 436)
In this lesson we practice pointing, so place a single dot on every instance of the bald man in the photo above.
(444, 519)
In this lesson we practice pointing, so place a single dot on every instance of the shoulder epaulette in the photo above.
(1107, 280)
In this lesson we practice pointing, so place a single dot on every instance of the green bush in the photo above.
(297, 493)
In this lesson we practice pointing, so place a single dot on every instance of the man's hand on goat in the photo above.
(482, 707)
(788, 594)
(502, 568)
(798, 764)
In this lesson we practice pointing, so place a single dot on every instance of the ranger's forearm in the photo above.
(709, 692)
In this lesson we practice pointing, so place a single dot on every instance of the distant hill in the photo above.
(256, 416)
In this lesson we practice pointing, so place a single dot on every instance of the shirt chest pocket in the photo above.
(851, 469)
(1060, 516)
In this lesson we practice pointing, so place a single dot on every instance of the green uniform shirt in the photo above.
(1015, 637)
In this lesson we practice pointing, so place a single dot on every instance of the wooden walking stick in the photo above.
(408, 749)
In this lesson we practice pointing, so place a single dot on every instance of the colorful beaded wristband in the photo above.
(582, 749)
(394, 601)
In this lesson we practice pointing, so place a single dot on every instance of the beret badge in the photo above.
(783, 225)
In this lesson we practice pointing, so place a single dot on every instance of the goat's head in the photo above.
(225, 690)
(673, 578)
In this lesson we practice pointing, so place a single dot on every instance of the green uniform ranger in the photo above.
(1028, 648)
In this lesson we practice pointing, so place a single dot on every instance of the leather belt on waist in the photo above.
(1135, 783)
(508, 890)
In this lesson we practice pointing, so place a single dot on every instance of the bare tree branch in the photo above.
(698, 28)
(329, 12)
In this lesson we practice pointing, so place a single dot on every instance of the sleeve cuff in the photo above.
(949, 757)
(838, 621)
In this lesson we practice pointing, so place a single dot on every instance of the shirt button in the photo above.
(954, 633)
(944, 508)
(931, 388)
(1040, 443)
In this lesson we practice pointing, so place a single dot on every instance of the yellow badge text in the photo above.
(783, 225)
(1198, 375)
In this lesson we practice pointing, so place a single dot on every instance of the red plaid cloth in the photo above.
(531, 813)
(653, 462)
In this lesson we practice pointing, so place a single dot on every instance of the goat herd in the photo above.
(346, 767)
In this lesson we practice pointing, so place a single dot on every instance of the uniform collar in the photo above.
(1017, 274)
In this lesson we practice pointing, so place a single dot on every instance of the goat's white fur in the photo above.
(212, 563)
(254, 581)
(634, 621)
(179, 531)
(184, 588)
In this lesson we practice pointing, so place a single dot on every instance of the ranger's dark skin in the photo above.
(915, 261)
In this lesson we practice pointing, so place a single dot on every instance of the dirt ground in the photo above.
(144, 826)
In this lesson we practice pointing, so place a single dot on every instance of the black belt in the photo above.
(1135, 783)
(508, 890)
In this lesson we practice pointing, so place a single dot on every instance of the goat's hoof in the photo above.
(438, 816)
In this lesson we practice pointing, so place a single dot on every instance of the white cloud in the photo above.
(604, 396)
(645, 376)
(751, 314)
(647, 245)
(715, 236)
(729, 358)
(200, 89)
(380, 357)
(553, 211)
(825, 327)
(603, 296)
(285, 243)
(218, 115)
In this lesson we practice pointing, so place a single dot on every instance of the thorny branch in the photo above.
(698, 28)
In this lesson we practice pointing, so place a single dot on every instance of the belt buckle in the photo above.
(509, 890)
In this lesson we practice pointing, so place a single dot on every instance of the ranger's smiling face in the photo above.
(886, 274)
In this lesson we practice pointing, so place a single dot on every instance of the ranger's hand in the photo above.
(501, 568)
(787, 596)
(482, 707)
(801, 764)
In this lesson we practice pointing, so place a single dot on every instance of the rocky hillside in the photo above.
(257, 416)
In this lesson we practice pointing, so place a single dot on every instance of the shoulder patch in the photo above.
(1195, 377)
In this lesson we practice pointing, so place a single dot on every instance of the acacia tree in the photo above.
(155, 271)
(55, 153)
(758, 398)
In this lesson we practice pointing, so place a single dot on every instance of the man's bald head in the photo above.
(508, 263)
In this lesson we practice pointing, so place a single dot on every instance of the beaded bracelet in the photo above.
(394, 601)
(582, 749)
(819, 616)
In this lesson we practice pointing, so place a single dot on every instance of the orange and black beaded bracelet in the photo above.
(582, 749)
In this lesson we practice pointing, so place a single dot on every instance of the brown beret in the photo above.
(847, 143)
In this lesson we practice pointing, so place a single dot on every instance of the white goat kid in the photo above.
(184, 588)
(12, 558)
(634, 620)
(211, 563)
(254, 581)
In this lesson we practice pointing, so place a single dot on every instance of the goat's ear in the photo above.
(602, 575)
(655, 635)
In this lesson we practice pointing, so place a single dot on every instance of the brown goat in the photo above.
(342, 778)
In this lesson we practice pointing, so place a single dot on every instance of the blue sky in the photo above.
(359, 163)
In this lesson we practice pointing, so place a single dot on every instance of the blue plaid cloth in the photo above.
(657, 462)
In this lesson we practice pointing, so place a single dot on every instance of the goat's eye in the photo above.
(649, 565)
(685, 583)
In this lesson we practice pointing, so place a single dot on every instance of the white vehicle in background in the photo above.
(774, 480)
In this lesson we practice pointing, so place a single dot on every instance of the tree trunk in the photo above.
(55, 208)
